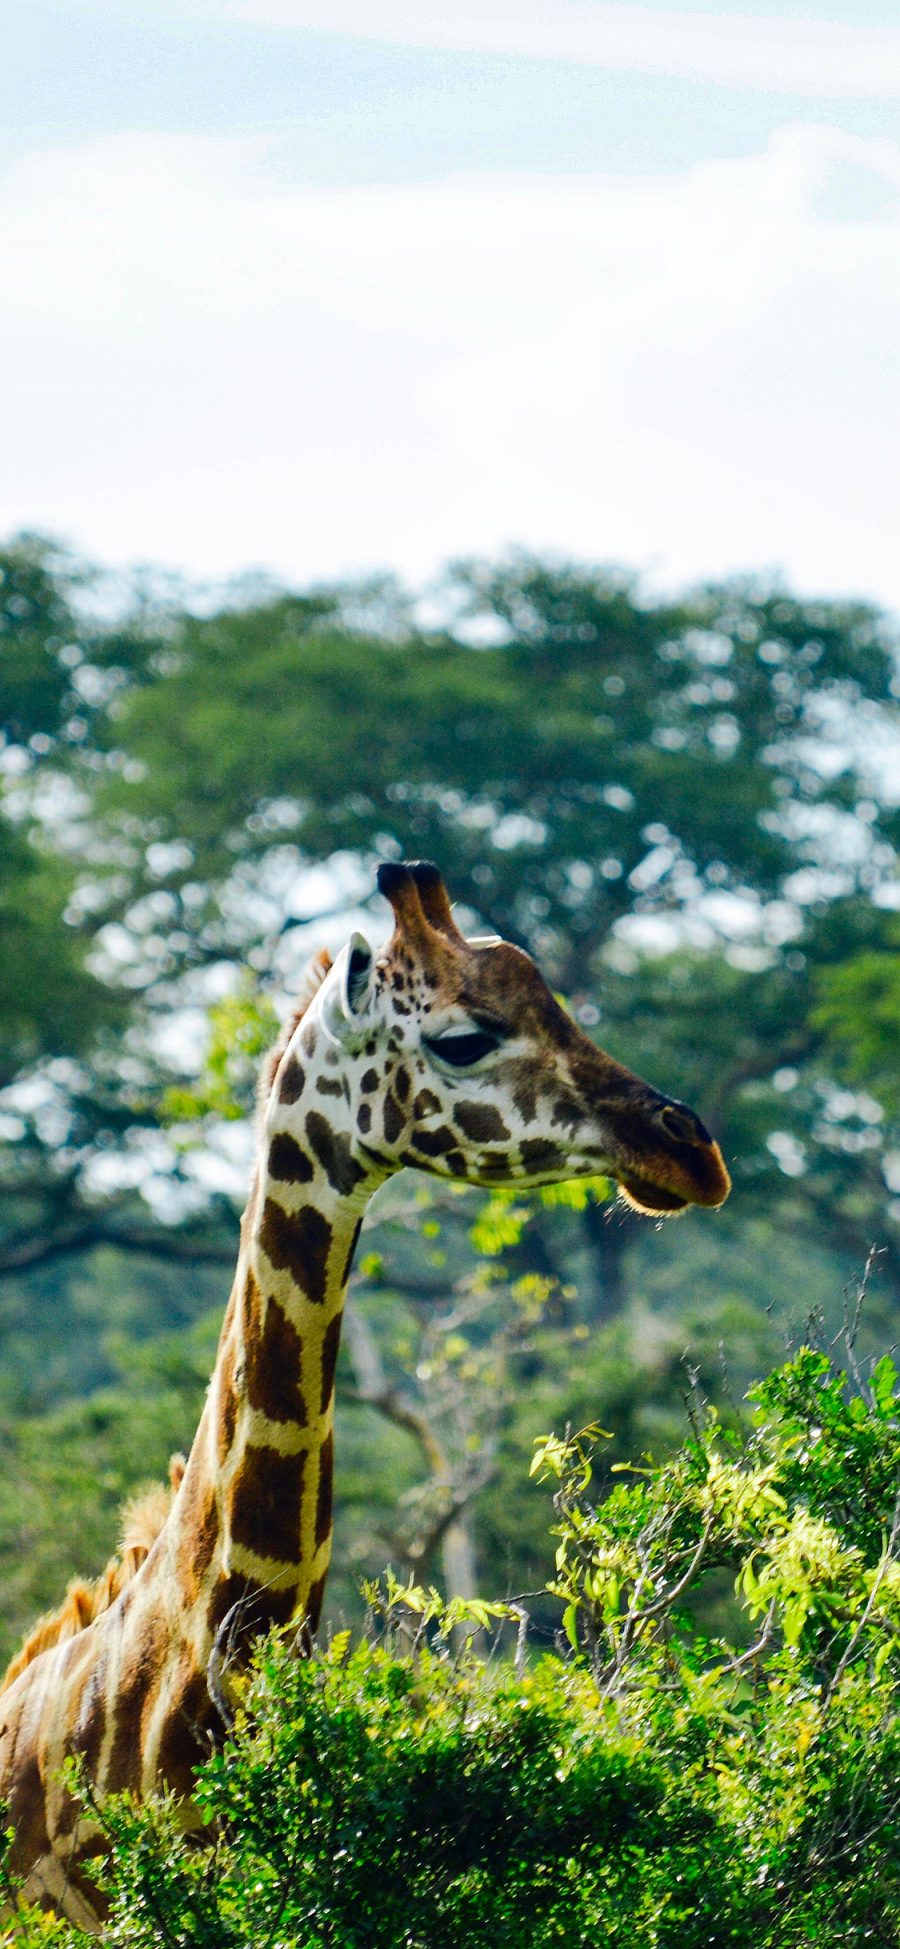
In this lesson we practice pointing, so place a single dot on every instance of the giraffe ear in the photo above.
(350, 991)
(356, 977)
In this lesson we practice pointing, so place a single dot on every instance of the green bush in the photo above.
(642, 1784)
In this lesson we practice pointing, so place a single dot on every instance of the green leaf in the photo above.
(884, 1386)
(570, 1625)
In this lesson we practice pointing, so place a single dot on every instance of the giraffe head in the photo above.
(454, 1057)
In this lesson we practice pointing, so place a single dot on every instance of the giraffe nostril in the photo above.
(682, 1124)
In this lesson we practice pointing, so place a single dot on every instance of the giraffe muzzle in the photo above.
(698, 1176)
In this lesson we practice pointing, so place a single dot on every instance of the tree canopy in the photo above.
(596, 757)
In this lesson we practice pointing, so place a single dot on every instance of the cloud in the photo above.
(212, 364)
(774, 53)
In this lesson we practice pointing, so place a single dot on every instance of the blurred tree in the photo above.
(601, 757)
(858, 1010)
(70, 1093)
(50, 1005)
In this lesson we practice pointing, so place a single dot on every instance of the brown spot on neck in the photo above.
(332, 1148)
(88, 1710)
(330, 1345)
(329, 1086)
(186, 1737)
(197, 1531)
(136, 1687)
(298, 1243)
(265, 1503)
(350, 1251)
(227, 1399)
(287, 1161)
(273, 1365)
(254, 1606)
(324, 1491)
(290, 1087)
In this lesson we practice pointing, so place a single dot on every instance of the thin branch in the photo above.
(402, 1414)
(862, 1621)
(756, 1650)
(669, 1597)
(458, 1500)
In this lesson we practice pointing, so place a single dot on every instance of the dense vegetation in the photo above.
(647, 1783)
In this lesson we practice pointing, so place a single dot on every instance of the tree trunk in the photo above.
(458, 1559)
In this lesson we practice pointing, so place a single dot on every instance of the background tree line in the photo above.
(687, 810)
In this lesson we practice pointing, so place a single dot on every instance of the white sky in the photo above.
(621, 282)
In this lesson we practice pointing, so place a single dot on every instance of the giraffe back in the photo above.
(143, 1517)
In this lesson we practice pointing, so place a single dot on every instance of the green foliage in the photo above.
(654, 1789)
(803, 1507)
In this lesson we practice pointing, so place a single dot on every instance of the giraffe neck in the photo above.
(252, 1524)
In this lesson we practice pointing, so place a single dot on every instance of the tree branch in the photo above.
(38, 1250)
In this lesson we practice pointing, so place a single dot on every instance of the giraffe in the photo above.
(447, 1054)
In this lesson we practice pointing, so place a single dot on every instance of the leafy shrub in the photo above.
(643, 1784)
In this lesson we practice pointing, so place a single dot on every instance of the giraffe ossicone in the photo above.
(448, 1055)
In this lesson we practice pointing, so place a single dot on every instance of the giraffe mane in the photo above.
(142, 1519)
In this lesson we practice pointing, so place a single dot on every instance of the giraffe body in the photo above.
(443, 1054)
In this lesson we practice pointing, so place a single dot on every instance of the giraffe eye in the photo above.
(462, 1050)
